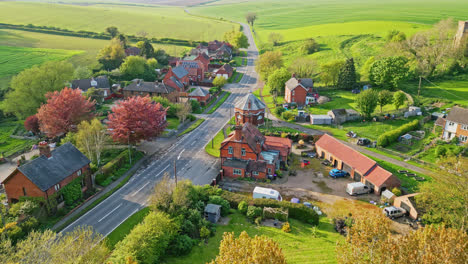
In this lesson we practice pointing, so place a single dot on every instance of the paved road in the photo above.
(191, 160)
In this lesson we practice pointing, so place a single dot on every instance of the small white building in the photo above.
(321, 120)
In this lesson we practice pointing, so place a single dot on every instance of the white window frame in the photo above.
(243, 152)
(269, 170)
(237, 172)
(255, 173)
(464, 127)
(78, 172)
(230, 150)
(463, 138)
(451, 123)
(57, 186)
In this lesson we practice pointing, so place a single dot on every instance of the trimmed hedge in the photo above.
(391, 136)
(116, 163)
(275, 213)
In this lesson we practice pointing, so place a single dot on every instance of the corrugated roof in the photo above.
(46, 172)
(255, 103)
(458, 115)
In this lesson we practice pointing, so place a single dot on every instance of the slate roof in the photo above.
(227, 68)
(85, 84)
(252, 135)
(149, 87)
(212, 208)
(458, 115)
(254, 165)
(179, 71)
(132, 51)
(199, 92)
(255, 103)
(304, 82)
(440, 122)
(235, 163)
(46, 172)
(190, 64)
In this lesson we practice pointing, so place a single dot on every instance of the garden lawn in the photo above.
(172, 122)
(217, 140)
(299, 246)
(219, 103)
(124, 228)
(8, 145)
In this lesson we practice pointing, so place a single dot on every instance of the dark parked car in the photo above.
(336, 173)
(363, 142)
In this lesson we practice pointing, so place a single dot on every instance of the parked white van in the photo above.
(356, 188)
(266, 193)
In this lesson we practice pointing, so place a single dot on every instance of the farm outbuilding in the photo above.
(407, 202)
(320, 120)
(213, 213)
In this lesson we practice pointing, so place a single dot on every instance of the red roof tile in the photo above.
(351, 157)
(378, 176)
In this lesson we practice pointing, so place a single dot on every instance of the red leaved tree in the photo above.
(63, 111)
(32, 124)
(135, 119)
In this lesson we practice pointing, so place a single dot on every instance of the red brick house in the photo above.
(249, 110)
(360, 167)
(300, 91)
(247, 153)
(141, 88)
(177, 74)
(225, 71)
(218, 50)
(200, 94)
(196, 70)
(47, 174)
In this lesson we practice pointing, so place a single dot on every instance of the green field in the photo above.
(299, 246)
(10, 145)
(156, 21)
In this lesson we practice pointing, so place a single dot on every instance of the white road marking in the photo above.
(193, 143)
(137, 191)
(125, 219)
(180, 154)
(109, 213)
(163, 170)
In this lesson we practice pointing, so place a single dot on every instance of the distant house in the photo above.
(47, 174)
(101, 83)
(455, 124)
(407, 202)
(341, 116)
(142, 88)
(360, 167)
(300, 91)
(225, 71)
(212, 213)
(200, 94)
(132, 51)
(217, 50)
(248, 153)
(249, 109)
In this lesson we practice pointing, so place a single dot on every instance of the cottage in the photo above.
(101, 83)
(407, 202)
(212, 213)
(200, 94)
(250, 109)
(141, 88)
(455, 124)
(320, 120)
(225, 71)
(300, 91)
(47, 174)
(341, 116)
(360, 167)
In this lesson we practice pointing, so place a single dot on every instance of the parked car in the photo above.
(336, 173)
(356, 188)
(363, 142)
(394, 212)
(306, 162)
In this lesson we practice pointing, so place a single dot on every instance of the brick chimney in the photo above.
(238, 133)
(259, 147)
(44, 149)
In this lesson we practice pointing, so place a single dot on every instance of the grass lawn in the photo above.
(156, 21)
(214, 151)
(173, 122)
(10, 145)
(124, 229)
(238, 60)
(192, 126)
(299, 246)
(219, 103)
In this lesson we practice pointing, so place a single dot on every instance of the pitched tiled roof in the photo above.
(199, 92)
(132, 51)
(85, 84)
(227, 68)
(378, 176)
(351, 157)
(255, 103)
(46, 172)
(339, 112)
(189, 64)
(252, 135)
(283, 145)
(440, 122)
(254, 165)
(149, 87)
(235, 163)
(306, 83)
(179, 71)
(458, 115)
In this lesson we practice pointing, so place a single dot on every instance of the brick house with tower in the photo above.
(250, 110)
(49, 173)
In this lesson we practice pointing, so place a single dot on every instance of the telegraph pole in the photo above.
(175, 172)
(419, 87)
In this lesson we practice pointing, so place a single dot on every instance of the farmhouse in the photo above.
(101, 83)
(46, 175)
(247, 153)
(141, 88)
(200, 94)
(300, 91)
(455, 124)
(360, 167)
(250, 110)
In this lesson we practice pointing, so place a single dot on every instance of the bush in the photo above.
(258, 221)
(297, 211)
(234, 199)
(396, 191)
(286, 227)
(220, 201)
(288, 116)
(191, 118)
(196, 108)
(243, 207)
(391, 136)
(253, 212)
(279, 110)
(181, 245)
(115, 164)
(275, 213)
(440, 151)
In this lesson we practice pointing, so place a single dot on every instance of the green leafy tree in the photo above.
(330, 71)
(146, 49)
(91, 139)
(275, 38)
(276, 81)
(309, 46)
(112, 55)
(113, 31)
(304, 67)
(347, 76)
(389, 72)
(29, 87)
(219, 81)
(237, 39)
(366, 68)
(94, 94)
(82, 72)
(385, 97)
(398, 99)
(366, 102)
(268, 62)
(251, 17)
(137, 67)
(152, 63)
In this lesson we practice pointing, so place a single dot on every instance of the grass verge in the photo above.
(213, 146)
(192, 126)
(219, 103)
(124, 229)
